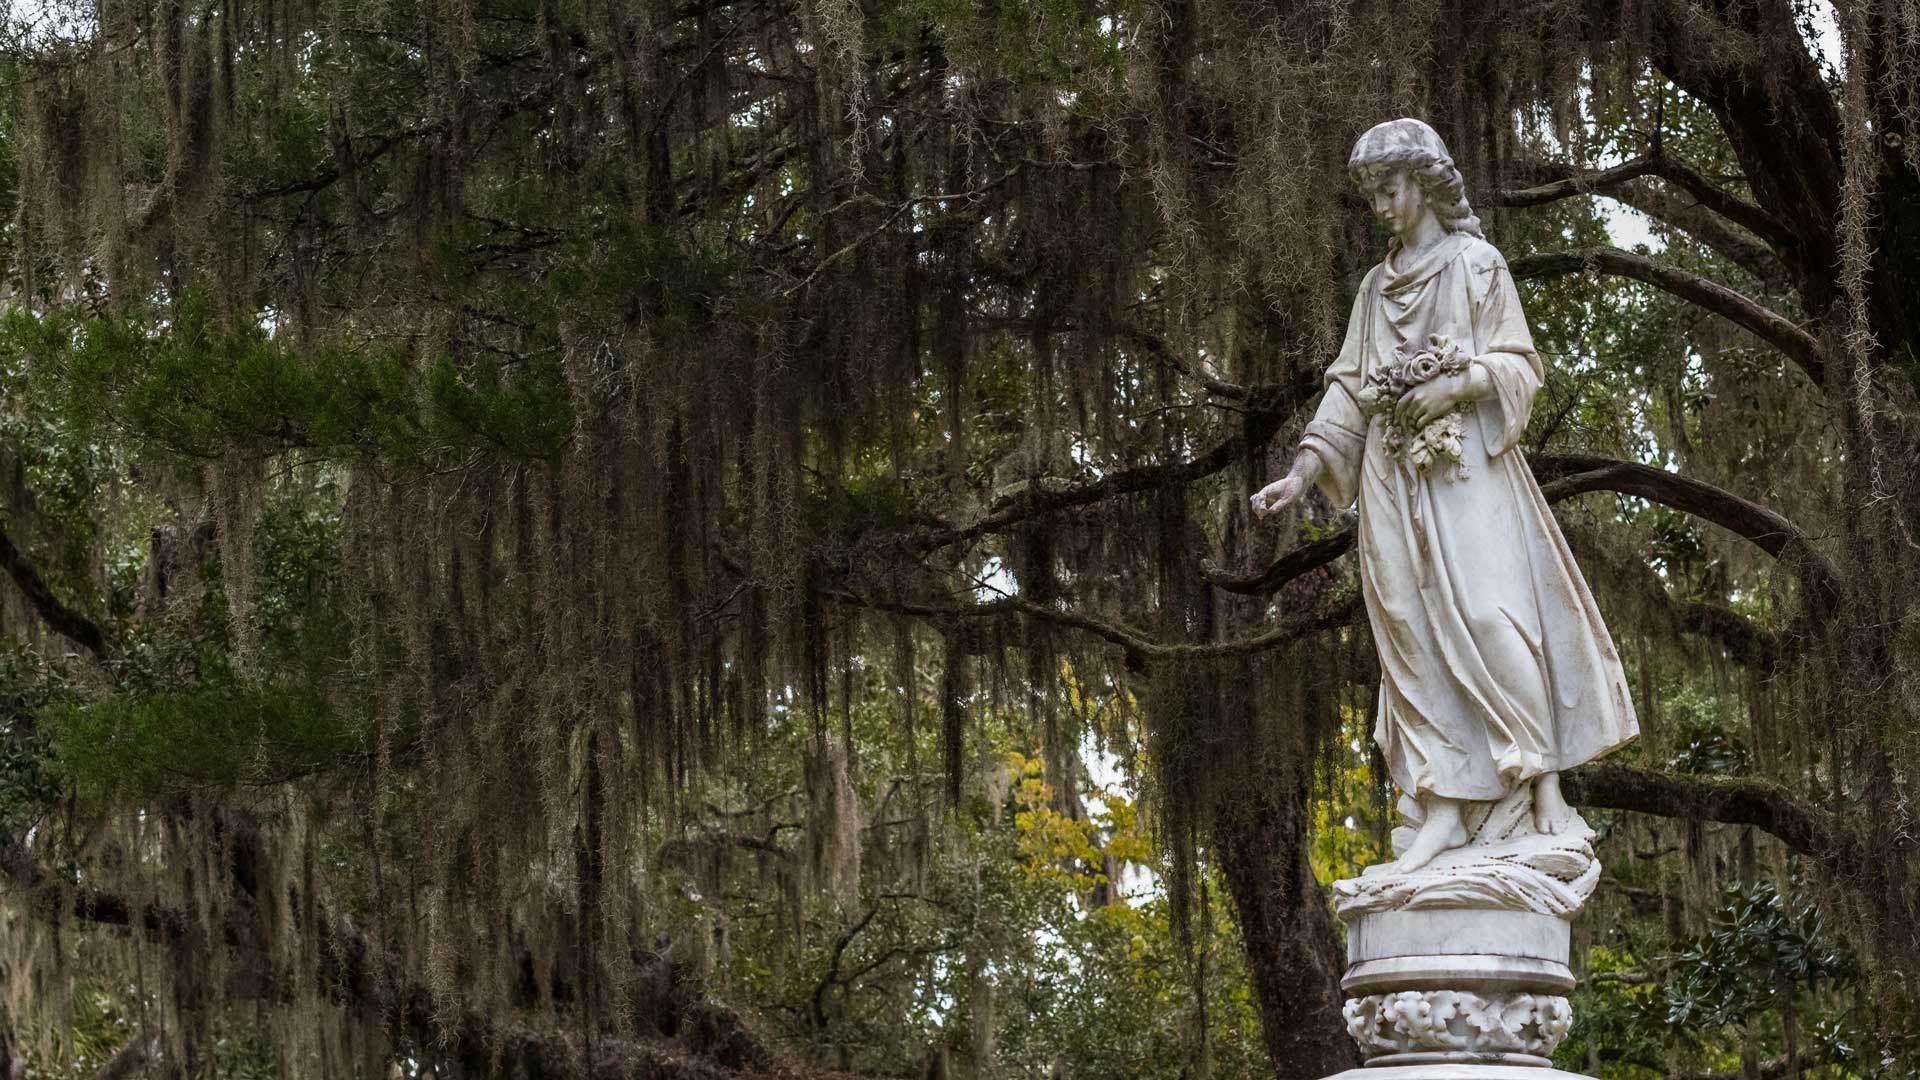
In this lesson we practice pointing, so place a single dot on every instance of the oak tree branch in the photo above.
(1770, 326)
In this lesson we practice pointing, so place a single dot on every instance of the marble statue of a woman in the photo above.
(1496, 670)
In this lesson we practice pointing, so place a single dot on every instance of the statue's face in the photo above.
(1398, 201)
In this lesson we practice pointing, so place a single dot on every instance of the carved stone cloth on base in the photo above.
(1505, 864)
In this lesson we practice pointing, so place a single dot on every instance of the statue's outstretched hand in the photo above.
(1278, 494)
(1287, 489)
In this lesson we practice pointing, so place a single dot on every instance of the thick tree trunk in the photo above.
(1272, 718)
(11, 1064)
(1260, 834)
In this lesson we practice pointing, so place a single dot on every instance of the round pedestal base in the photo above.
(1457, 988)
(1387, 1061)
(1455, 1071)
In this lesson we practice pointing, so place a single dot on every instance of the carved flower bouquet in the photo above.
(1439, 440)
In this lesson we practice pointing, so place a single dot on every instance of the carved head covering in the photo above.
(1410, 144)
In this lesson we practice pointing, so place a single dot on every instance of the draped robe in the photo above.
(1495, 664)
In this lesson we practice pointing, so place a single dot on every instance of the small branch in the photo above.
(333, 174)
(832, 977)
(1155, 344)
(1768, 325)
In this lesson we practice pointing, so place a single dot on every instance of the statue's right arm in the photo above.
(1307, 468)
(1333, 444)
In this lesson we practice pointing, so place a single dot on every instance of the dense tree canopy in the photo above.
(692, 538)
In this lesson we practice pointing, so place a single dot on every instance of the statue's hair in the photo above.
(1412, 145)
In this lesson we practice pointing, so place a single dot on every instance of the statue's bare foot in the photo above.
(1441, 831)
(1551, 814)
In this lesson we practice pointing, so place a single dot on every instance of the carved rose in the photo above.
(1440, 440)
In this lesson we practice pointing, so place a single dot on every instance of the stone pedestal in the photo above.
(1458, 968)
(1457, 1072)
(1457, 986)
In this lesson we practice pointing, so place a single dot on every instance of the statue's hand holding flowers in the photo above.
(1422, 395)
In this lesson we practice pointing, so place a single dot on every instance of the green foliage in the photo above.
(202, 385)
(1760, 948)
(30, 683)
(223, 733)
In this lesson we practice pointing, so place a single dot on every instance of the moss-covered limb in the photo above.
(1711, 219)
(1742, 639)
(1745, 642)
(355, 974)
(1677, 209)
(1748, 215)
(1035, 500)
(56, 902)
(1763, 804)
(1138, 647)
(1296, 563)
(60, 618)
(1558, 180)
(1768, 325)
(1563, 476)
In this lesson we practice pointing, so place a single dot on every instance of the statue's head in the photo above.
(1410, 145)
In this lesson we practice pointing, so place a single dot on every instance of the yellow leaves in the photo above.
(1117, 701)
(1345, 815)
(1072, 852)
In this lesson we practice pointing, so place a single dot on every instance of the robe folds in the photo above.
(1495, 664)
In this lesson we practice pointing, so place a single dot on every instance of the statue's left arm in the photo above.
(1504, 354)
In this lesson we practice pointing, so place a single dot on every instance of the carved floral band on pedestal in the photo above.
(1458, 1021)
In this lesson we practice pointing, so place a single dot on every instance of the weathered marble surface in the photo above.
(1497, 671)
(1445, 931)
(1482, 950)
